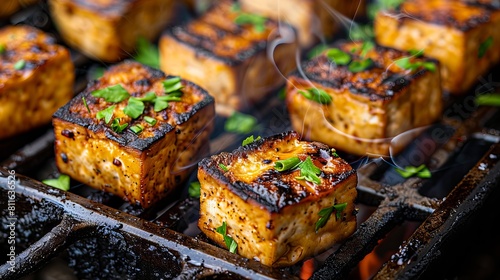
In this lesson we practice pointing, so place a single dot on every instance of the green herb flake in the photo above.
(137, 128)
(362, 32)
(317, 50)
(287, 164)
(194, 189)
(151, 121)
(147, 53)
(172, 84)
(309, 171)
(416, 53)
(366, 47)
(230, 243)
(484, 47)
(406, 64)
(2, 49)
(420, 171)
(96, 72)
(338, 56)
(491, 99)
(20, 64)
(258, 21)
(282, 93)
(223, 167)
(62, 182)
(360, 65)
(318, 95)
(117, 127)
(325, 214)
(249, 140)
(113, 94)
(134, 108)
(85, 104)
(148, 97)
(236, 7)
(240, 123)
(106, 114)
(160, 105)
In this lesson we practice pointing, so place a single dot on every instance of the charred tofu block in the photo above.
(135, 132)
(311, 18)
(463, 35)
(109, 30)
(36, 78)
(357, 97)
(278, 200)
(9, 7)
(224, 51)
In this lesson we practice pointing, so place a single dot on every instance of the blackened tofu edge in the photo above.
(129, 138)
(241, 189)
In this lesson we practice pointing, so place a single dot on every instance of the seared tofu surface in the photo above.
(108, 30)
(227, 56)
(364, 108)
(140, 157)
(312, 19)
(463, 35)
(36, 78)
(273, 216)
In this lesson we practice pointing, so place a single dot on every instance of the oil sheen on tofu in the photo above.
(367, 106)
(227, 57)
(272, 215)
(463, 35)
(36, 78)
(142, 158)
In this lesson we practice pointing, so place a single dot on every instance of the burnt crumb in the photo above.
(117, 162)
(143, 82)
(68, 133)
(267, 161)
(64, 157)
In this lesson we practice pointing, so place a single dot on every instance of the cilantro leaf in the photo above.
(309, 171)
(194, 189)
(113, 94)
(317, 50)
(360, 65)
(325, 214)
(147, 53)
(484, 47)
(134, 108)
(117, 127)
(62, 182)
(160, 105)
(420, 171)
(230, 243)
(249, 140)
(106, 114)
(338, 56)
(240, 123)
(172, 84)
(318, 95)
(258, 21)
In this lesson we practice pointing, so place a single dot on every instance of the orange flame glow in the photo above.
(307, 269)
(369, 265)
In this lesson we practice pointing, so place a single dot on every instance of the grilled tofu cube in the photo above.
(36, 78)
(360, 106)
(140, 157)
(463, 35)
(109, 30)
(227, 59)
(9, 7)
(311, 18)
(278, 217)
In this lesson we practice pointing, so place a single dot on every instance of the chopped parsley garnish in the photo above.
(420, 171)
(172, 84)
(96, 72)
(258, 21)
(149, 120)
(317, 50)
(134, 108)
(338, 56)
(230, 243)
(117, 127)
(309, 171)
(317, 95)
(113, 94)
(2, 49)
(148, 97)
(240, 123)
(137, 128)
(62, 182)
(366, 47)
(20, 64)
(325, 214)
(361, 32)
(405, 63)
(85, 103)
(492, 99)
(223, 167)
(416, 53)
(147, 53)
(484, 47)
(249, 140)
(360, 65)
(194, 189)
(287, 164)
(106, 114)
(160, 105)
(376, 6)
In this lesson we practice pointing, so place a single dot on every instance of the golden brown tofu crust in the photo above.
(368, 108)
(142, 168)
(36, 78)
(270, 214)
(228, 60)
(108, 30)
(452, 32)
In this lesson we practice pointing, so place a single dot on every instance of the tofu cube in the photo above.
(36, 78)
(312, 19)
(360, 110)
(228, 57)
(463, 36)
(109, 30)
(142, 156)
(273, 215)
